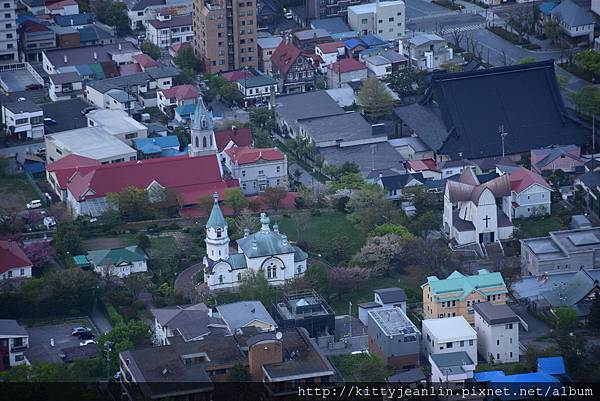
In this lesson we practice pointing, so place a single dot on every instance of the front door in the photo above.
(486, 238)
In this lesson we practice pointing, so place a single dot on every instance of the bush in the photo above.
(112, 315)
(302, 245)
(315, 212)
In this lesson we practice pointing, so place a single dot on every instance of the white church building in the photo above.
(266, 252)
(477, 212)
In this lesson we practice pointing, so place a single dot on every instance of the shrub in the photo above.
(315, 212)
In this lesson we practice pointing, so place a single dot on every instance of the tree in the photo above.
(151, 50)
(132, 203)
(594, 316)
(239, 374)
(247, 221)
(124, 336)
(183, 135)
(379, 254)
(562, 82)
(369, 207)
(39, 252)
(407, 82)
(111, 13)
(67, 239)
(144, 242)
(527, 60)
(551, 30)
(344, 279)
(273, 196)
(588, 60)
(262, 118)
(235, 200)
(374, 99)
(302, 225)
(254, 286)
(348, 181)
(566, 319)
(587, 100)
(317, 276)
(388, 228)
(136, 283)
(187, 60)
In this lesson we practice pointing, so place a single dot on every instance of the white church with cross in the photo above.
(476, 212)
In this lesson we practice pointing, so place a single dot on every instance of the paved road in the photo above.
(21, 149)
(186, 277)
(100, 320)
(447, 22)
(422, 8)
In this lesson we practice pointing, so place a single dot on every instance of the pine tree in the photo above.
(374, 99)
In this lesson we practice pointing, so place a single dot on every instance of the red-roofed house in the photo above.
(144, 61)
(13, 261)
(345, 70)
(59, 173)
(292, 69)
(176, 48)
(231, 138)
(329, 53)
(530, 193)
(427, 167)
(176, 96)
(232, 76)
(64, 7)
(190, 177)
(257, 169)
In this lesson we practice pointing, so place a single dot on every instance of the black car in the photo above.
(86, 335)
(87, 110)
(32, 87)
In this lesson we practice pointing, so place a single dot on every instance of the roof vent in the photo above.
(276, 228)
(95, 56)
(246, 232)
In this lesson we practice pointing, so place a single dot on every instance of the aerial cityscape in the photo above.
(299, 199)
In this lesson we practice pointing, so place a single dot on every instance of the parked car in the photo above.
(34, 204)
(288, 15)
(75, 331)
(87, 110)
(87, 342)
(32, 87)
(86, 335)
(48, 197)
(49, 222)
(117, 376)
(49, 121)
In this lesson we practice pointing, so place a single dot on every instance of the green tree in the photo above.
(132, 203)
(369, 207)
(239, 374)
(235, 200)
(254, 286)
(384, 229)
(67, 239)
(114, 14)
(349, 181)
(144, 242)
(551, 30)
(588, 60)
(273, 197)
(124, 336)
(187, 60)
(151, 50)
(566, 319)
(375, 100)
(262, 118)
(562, 82)
(587, 100)
(407, 82)
(317, 276)
(527, 60)
(379, 255)
(183, 136)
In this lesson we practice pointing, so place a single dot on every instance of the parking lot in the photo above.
(39, 339)
(422, 8)
(67, 114)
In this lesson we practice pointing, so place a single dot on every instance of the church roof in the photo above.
(265, 242)
(201, 113)
(468, 187)
(216, 218)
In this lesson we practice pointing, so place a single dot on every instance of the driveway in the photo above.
(100, 320)
(187, 276)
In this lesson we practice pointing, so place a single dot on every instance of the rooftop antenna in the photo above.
(503, 135)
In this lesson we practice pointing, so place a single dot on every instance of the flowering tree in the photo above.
(39, 253)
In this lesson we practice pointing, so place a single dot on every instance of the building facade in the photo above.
(167, 30)
(497, 329)
(384, 19)
(24, 118)
(257, 169)
(14, 263)
(318, 9)
(450, 334)
(427, 51)
(14, 341)
(394, 338)
(225, 34)
(8, 32)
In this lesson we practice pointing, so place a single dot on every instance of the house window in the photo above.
(239, 277)
(470, 342)
(462, 343)
(299, 269)
(220, 279)
(511, 354)
(22, 272)
(364, 21)
(391, 19)
(449, 345)
(261, 171)
(271, 271)
(441, 315)
(243, 173)
(497, 342)
(508, 326)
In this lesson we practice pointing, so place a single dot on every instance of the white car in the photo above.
(87, 342)
(34, 204)
(288, 15)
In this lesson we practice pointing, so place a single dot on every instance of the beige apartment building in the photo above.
(225, 34)
(457, 294)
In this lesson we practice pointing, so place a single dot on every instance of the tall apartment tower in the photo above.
(225, 34)
(8, 32)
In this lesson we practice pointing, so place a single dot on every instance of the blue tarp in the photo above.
(353, 43)
(34, 168)
(553, 365)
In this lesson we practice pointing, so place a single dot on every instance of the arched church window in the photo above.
(239, 276)
(221, 279)
(196, 142)
(204, 142)
(219, 233)
(271, 270)
(204, 123)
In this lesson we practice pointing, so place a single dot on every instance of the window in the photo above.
(508, 326)
(511, 354)
(462, 343)
(271, 270)
(22, 272)
(10, 274)
(204, 142)
(243, 173)
(441, 315)
(261, 171)
(497, 342)
(380, 21)
(221, 279)
(219, 232)
(364, 21)
(6, 5)
(443, 304)
(19, 358)
(239, 277)
(470, 342)
(391, 19)
(449, 345)
(131, 136)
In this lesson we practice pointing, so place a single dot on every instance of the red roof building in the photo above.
(236, 75)
(345, 65)
(285, 56)
(60, 172)
(257, 169)
(331, 47)
(190, 177)
(233, 137)
(144, 61)
(521, 179)
(181, 92)
(247, 155)
(13, 261)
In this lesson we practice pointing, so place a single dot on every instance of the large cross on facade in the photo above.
(486, 219)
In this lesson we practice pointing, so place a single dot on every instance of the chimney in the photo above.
(65, 58)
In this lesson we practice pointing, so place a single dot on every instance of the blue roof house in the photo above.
(157, 147)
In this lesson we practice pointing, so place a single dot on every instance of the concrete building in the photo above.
(167, 30)
(497, 329)
(450, 334)
(14, 263)
(140, 12)
(34, 37)
(561, 251)
(385, 19)
(117, 123)
(452, 367)
(458, 294)
(176, 96)
(14, 341)
(257, 169)
(243, 314)
(394, 338)
(307, 309)
(24, 118)
(315, 9)
(345, 70)
(186, 323)
(8, 32)
(225, 34)
(266, 47)
(426, 51)
(257, 89)
(393, 297)
(63, 60)
(64, 86)
(379, 66)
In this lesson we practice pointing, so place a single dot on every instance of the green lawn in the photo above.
(360, 367)
(160, 247)
(324, 232)
(15, 192)
(538, 227)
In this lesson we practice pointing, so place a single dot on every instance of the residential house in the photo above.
(412, 148)
(550, 372)
(258, 89)
(120, 262)
(566, 158)
(378, 66)
(452, 367)
(576, 292)
(574, 20)
(392, 297)
(390, 57)
(23, 118)
(333, 25)
(428, 168)
(451, 168)
(306, 309)
(330, 53)
(588, 185)
(243, 314)
(449, 335)
(62, 7)
(267, 251)
(76, 20)
(561, 251)
(35, 36)
(355, 46)
(457, 294)
(185, 323)
(14, 341)
(292, 69)
(257, 168)
(233, 137)
(385, 19)
(394, 338)
(66, 85)
(160, 146)
(167, 30)
(142, 11)
(118, 124)
(530, 194)
(267, 12)
(497, 329)
(176, 96)
(395, 183)
(475, 212)
(308, 39)
(427, 51)
(14, 263)
(500, 95)
(345, 70)
(59, 172)
(266, 46)
(64, 60)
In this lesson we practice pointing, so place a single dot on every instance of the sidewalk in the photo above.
(100, 320)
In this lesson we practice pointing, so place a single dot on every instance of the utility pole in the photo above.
(502, 136)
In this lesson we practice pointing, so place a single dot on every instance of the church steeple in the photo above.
(217, 238)
(202, 133)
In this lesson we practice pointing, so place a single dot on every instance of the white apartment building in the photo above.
(24, 118)
(8, 32)
(117, 123)
(497, 328)
(385, 19)
(142, 11)
(450, 334)
(257, 169)
(167, 30)
(426, 51)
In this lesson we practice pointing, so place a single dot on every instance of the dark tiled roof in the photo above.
(496, 314)
(391, 295)
(399, 181)
(385, 156)
(22, 107)
(74, 19)
(85, 54)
